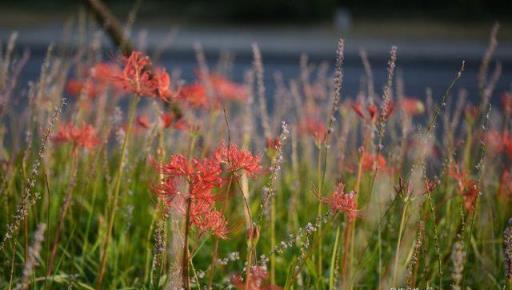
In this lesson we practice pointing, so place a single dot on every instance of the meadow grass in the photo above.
(117, 175)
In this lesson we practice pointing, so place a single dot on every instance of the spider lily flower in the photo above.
(468, 187)
(314, 128)
(237, 159)
(412, 106)
(505, 188)
(372, 112)
(343, 202)
(258, 280)
(222, 89)
(202, 177)
(96, 81)
(139, 78)
(195, 95)
(227, 90)
(166, 119)
(506, 101)
(273, 143)
(373, 161)
(143, 121)
(83, 136)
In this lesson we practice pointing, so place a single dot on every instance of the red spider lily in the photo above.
(222, 89)
(314, 128)
(226, 89)
(183, 125)
(195, 95)
(460, 176)
(258, 276)
(412, 106)
(138, 78)
(506, 100)
(237, 159)
(505, 188)
(98, 79)
(344, 202)
(471, 112)
(430, 185)
(273, 143)
(507, 145)
(202, 176)
(163, 81)
(76, 88)
(468, 187)
(143, 121)
(470, 194)
(495, 141)
(207, 219)
(372, 111)
(369, 161)
(84, 136)
(166, 119)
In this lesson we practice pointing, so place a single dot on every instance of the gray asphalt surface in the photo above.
(422, 62)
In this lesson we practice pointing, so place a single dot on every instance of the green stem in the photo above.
(332, 273)
(117, 186)
(397, 251)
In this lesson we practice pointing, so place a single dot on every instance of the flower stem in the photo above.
(332, 273)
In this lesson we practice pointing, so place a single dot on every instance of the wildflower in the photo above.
(341, 201)
(373, 161)
(314, 128)
(143, 121)
(166, 119)
(471, 112)
(505, 188)
(470, 194)
(468, 187)
(273, 143)
(237, 159)
(460, 176)
(412, 106)
(163, 82)
(104, 75)
(222, 89)
(195, 95)
(204, 218)
(76, 88)
(506, 101)
(258, 276)
(372, 111)
(137, 77)
(495, 141)
(226, 89)
(95, 81)
(84, 136)
(430, 185)
(183, 125)
(201, 176)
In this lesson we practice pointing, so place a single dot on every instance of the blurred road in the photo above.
(423, 62)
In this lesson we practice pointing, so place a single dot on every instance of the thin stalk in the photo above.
(117, 187)
(332, 273)
(400, 231)
(319, 213)
(217, 240)
(65, 207)
(184, 260)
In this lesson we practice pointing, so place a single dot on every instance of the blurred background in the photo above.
(433, 36)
